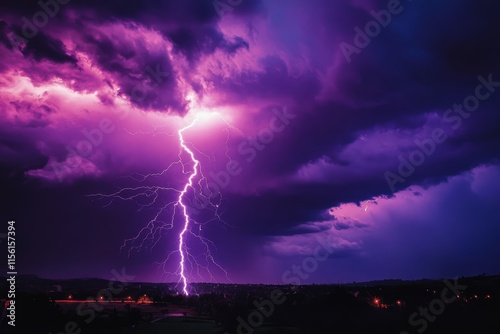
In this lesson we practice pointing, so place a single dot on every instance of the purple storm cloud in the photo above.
(389, 151)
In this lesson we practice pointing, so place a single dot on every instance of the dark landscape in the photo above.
(47, 306)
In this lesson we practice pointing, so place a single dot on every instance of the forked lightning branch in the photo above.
(188, 264)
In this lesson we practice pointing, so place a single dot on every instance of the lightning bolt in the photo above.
(148, 195)
(184, 208)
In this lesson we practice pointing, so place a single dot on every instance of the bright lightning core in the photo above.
(189, 265)
(184, 209)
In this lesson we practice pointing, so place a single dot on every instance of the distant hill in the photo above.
(33, 283)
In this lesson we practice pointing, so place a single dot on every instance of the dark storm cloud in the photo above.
(4, 39)
(145, 76)
(190, 25)
(286, 211)
(18, 154)
(424, 62)
(196, 42)
(191, 11)
(43, 46)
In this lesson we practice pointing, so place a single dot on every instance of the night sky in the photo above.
(385, 144)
